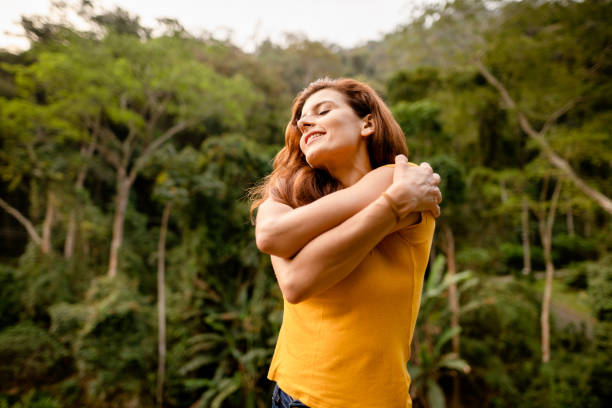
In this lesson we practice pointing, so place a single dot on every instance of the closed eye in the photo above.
(323, 112)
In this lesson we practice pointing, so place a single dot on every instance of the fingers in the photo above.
(400, 159)
(436, 179)
(438, 196)
(436, 211)
(426, 166)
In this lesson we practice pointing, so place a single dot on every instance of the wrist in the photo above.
(391, 204)
(405, 205)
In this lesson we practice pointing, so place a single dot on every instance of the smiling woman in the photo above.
(330, 133)
(349, 238)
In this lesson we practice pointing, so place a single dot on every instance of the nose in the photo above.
(304, 123)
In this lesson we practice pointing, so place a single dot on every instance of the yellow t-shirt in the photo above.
(348, 346)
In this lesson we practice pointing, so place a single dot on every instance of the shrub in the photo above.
(30, 356)
(572, 248)
(9, 297)
(600, 287)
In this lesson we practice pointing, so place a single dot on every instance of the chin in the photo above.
(315, 160)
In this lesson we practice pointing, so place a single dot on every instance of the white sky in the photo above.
(246, 23)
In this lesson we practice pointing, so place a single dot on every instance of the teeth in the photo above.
(315, 136)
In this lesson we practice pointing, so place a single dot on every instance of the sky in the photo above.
(246, 23)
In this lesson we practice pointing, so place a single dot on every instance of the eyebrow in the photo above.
(314, 108)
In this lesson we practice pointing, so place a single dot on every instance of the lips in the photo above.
(311, 134)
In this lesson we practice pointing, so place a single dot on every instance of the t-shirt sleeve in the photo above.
(421, 231)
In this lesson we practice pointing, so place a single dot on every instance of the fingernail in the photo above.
(401, 157)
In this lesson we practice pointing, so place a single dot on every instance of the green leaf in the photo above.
(451, 361)
(435, 395)
(444, 338)
(228, 387)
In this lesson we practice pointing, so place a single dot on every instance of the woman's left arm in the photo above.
(333, 255)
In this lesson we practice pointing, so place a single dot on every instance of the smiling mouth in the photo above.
(313, 136)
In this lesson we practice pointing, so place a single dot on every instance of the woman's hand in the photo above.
(415, 188)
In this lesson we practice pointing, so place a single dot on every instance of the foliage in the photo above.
(30, 357)
(432, 359)
(600, 287)
(9, 297)
(116, 320)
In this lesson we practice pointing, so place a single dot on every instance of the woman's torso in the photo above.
(349, 345)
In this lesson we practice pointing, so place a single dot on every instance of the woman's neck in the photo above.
(348, 173)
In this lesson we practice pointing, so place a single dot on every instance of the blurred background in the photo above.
(129, 275)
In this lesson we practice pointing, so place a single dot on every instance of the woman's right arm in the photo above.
(282, 231)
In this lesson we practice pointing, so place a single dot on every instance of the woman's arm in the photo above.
(282, 231)
(334, 254)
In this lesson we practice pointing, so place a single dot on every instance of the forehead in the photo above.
(321, 96)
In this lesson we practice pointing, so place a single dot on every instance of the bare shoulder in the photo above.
(382, 171)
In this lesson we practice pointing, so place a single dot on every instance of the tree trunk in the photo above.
(161, 304)
(546, 228)
(70, 235)
(22, 220)
(125, 180)
(453, 303)
(72, 222)
(48, 223)
(503, 191)
(556, 160)
(525, 236)
(123, 193)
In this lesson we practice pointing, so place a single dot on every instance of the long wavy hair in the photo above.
(293, 181)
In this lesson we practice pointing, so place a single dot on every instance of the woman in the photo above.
(349, 240)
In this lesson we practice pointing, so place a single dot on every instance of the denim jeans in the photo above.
(280, 399)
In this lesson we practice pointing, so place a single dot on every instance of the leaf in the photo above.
(435, 273)
(459, 277)
(444, 338)
(227, 389)
(415, 372)
(197, 363)
(452, 362)
(435, 395)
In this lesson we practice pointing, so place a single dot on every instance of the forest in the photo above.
(129, 274)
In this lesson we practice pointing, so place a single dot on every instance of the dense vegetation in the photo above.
(129, 275)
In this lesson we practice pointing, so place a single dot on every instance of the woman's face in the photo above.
(331, 131)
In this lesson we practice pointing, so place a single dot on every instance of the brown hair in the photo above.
(293, 181)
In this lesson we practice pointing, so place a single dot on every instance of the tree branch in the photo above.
(127, 147)
(109, 155)
(86, 152)
(180, 126)
(556, 115)
(23, 220)
(156, 111)
(557, 161)
(553, 207)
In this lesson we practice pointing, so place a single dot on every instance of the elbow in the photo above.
(271, 244)
(263, 242)
(293, 292)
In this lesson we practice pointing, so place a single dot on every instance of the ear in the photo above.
(367, 125)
